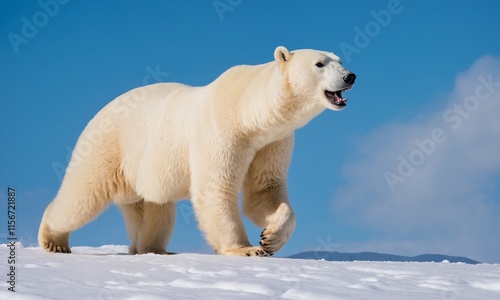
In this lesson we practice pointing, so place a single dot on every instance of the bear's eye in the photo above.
(320, 65)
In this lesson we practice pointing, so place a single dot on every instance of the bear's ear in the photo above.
(282, 55)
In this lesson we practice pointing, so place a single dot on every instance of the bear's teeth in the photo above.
(338, 94)
(336, 97)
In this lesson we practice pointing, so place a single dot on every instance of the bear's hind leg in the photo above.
(149, 226)
(70, 210)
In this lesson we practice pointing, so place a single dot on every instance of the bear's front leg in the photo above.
(265, 197)
(218, 216)
(216, 179)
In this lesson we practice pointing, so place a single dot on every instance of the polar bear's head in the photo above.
(316, 76)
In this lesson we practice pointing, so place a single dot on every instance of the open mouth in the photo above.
(336, 98)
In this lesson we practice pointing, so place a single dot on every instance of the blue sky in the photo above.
(415, 60)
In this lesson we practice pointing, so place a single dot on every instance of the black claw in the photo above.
(270, 253)
(248, 254)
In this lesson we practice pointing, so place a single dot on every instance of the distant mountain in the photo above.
(373, 256)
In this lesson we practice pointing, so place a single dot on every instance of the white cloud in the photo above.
(432, 184)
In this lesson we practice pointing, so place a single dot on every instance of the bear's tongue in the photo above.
(336, 98)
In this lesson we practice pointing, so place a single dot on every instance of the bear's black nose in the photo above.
(350, 78)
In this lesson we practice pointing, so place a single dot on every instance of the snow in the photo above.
(108, 272)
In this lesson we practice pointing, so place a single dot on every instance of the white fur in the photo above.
(165, 142)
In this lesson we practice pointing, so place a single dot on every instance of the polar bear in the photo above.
(165, 142)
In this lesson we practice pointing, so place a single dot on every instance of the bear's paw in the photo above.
(271, 241)
(247, 251)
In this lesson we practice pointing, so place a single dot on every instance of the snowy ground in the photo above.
(109, 273)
